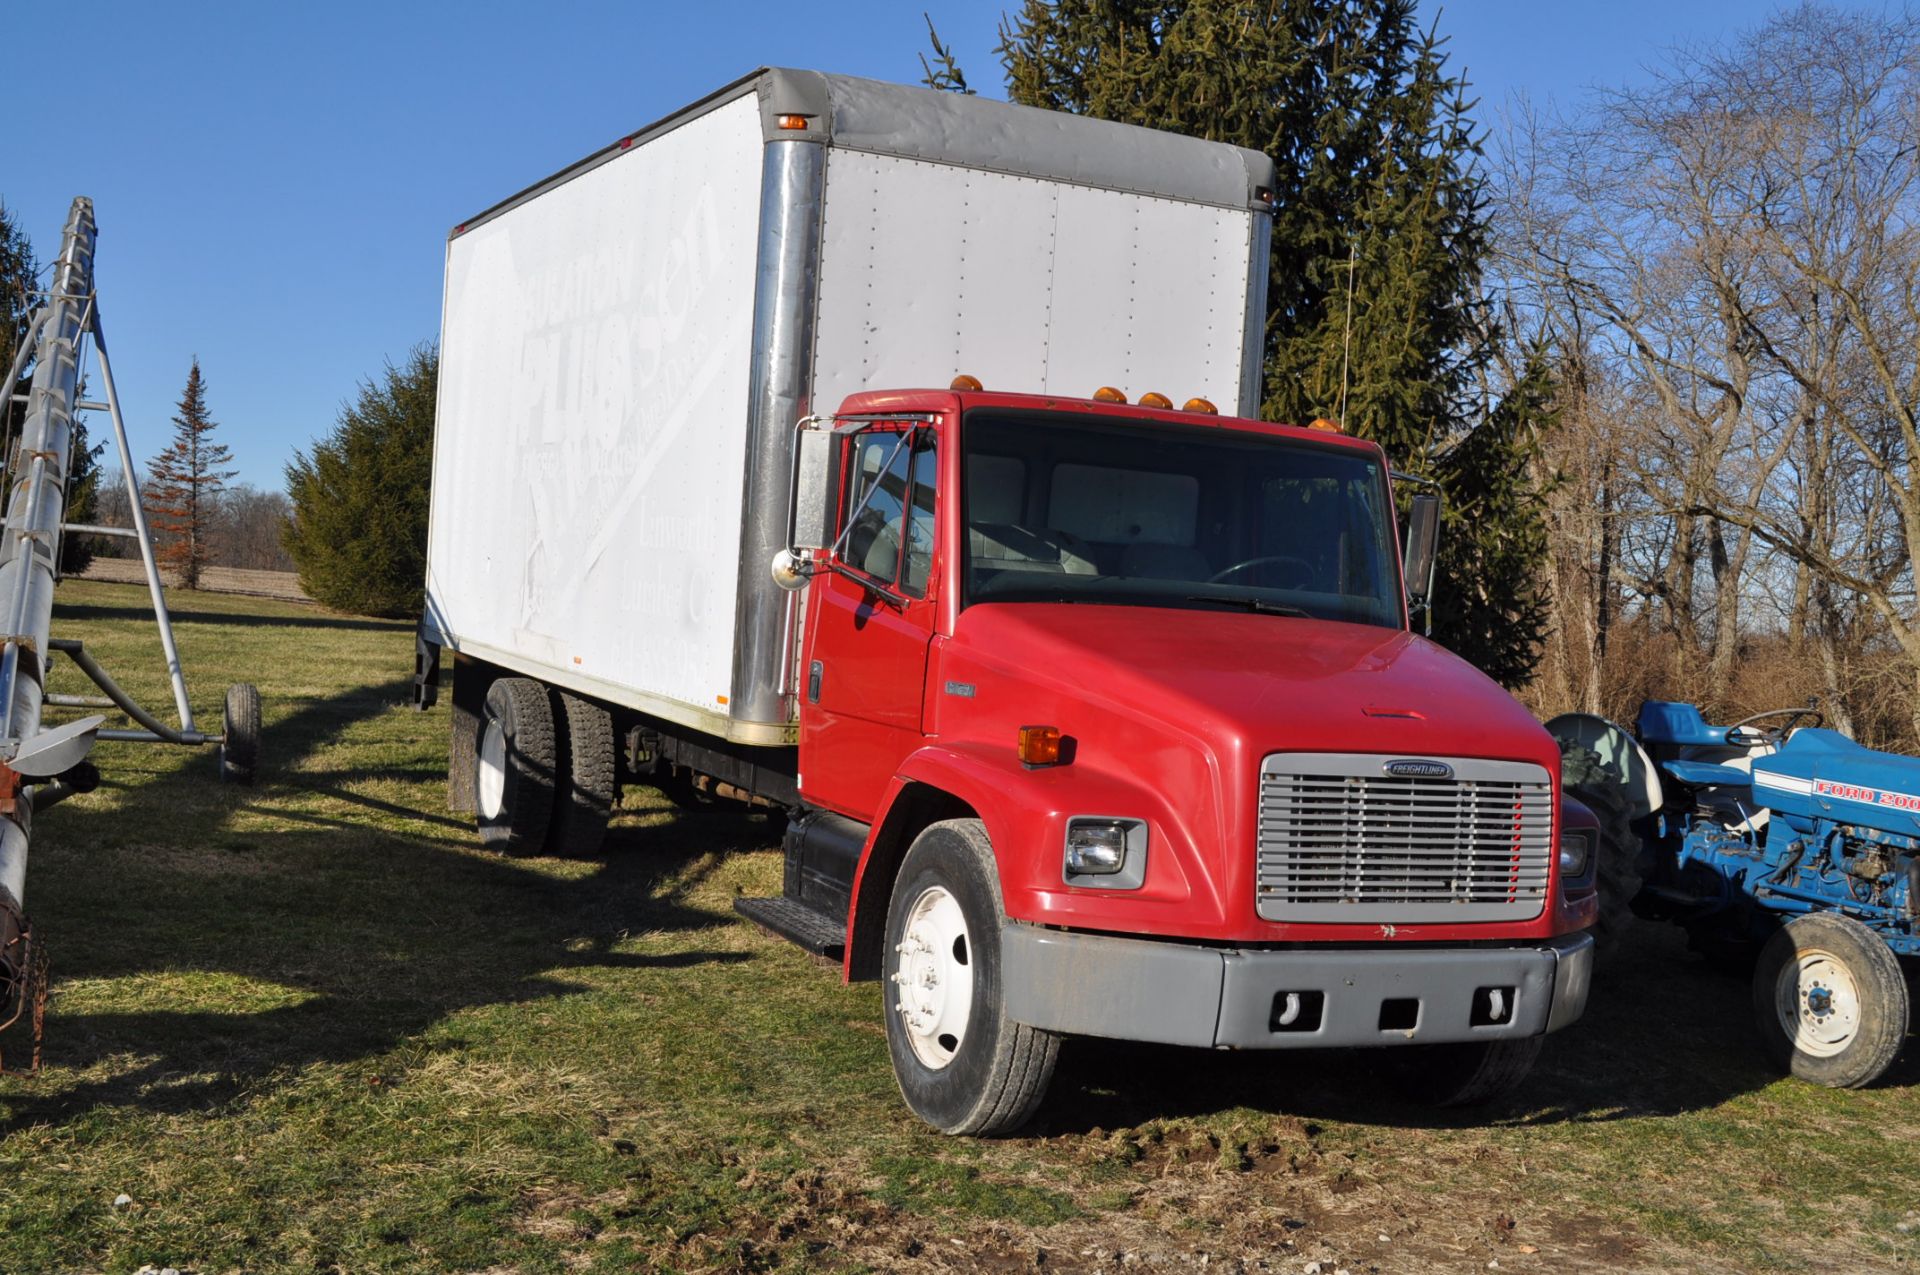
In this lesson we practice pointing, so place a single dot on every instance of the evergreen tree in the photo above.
(1376, 311)
(184, 484)
(83, 500)
(18, 274)
(358, 535)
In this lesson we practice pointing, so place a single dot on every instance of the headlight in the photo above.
(1104, 851)
(1576, 852)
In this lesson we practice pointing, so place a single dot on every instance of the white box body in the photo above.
(626, 348)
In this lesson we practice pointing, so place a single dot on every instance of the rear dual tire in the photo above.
(544, 779)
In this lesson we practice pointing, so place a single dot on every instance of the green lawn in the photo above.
(309, 1025)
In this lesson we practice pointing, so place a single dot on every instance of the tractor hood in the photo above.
(1251, 684)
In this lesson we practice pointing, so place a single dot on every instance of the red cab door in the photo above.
(870, 620)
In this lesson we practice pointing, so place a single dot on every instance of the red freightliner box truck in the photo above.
(1088, 716)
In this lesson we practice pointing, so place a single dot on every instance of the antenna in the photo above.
(1346, 343)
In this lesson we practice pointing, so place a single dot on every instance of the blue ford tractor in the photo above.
(1769, 838)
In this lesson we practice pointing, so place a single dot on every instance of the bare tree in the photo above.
(1738, 245)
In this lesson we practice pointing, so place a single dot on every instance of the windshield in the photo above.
(1063, 510)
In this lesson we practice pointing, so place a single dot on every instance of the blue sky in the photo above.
(274, 182)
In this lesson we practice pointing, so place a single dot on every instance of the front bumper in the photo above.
(1181, 994)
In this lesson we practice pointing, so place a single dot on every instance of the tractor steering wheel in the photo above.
(1772, 734)
(1306, 569)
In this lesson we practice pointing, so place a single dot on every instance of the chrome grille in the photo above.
(1342, 840)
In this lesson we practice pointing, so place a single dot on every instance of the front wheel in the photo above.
(240, 735)
(963, 1066)
(1466, 1074)
(1829, 1001)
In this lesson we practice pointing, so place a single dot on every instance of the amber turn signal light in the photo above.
(1200, 405)
(1040, 745)
(1325, 425)
(965, 382)
(1153, 398)
(1107, 394)
(792, 123)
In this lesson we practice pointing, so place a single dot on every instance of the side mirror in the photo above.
(1423, 547)
(809, 505)
(811, 525)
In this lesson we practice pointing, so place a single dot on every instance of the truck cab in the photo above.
(1112, 722)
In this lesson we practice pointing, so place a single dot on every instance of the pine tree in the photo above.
(18, 274)
(83, 500)
(358, 535)
(1377, 314)
(184, 484)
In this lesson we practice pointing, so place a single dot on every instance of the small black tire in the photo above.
(514, 771)
(1467, 1073)
(989, 1075)
(1830, 1001)
(240, 735)
(588, 784)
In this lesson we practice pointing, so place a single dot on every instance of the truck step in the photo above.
(815, 931)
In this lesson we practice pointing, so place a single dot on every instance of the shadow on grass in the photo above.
(76, 612)
(378, 919)
(1663, 1035)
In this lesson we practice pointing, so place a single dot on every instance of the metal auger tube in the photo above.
(29, 545)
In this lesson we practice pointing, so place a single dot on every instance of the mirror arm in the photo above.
(898, 601)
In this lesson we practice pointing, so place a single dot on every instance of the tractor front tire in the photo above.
(515, 771)
(1830, 1001)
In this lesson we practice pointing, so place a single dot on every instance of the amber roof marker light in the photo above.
(1326, 426)
(1153, 398)
(966, 384)
(793, 123)
(1107, 394)
(1200, 405)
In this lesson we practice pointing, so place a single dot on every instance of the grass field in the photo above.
(310, 1026)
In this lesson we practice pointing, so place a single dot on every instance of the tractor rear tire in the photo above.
(514, 768)
(1830, 1001)
(1617, 874)
(584, 800)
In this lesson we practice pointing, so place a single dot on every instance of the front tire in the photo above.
(963, 1066)
(1467, 1074)
(240, 735)
(514, 768)
(1830, 1002)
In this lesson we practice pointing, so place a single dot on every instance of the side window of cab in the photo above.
(891, 484)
